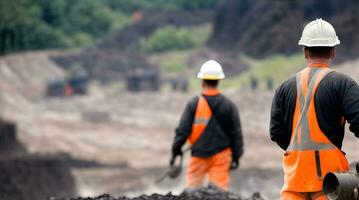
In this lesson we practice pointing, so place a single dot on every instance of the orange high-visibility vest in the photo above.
(202, 116)
(310, 155)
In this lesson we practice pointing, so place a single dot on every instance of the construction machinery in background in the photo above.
(76, 84)
(342, 186)
(143, 80)
(179, 83)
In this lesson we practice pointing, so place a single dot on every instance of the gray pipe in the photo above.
(342, 186)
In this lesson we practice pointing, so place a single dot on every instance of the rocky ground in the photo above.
(205, 193)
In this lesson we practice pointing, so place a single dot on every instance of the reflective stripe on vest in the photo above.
(202, 116)
(301, 139)
(310, 154)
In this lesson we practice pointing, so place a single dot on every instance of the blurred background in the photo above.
(91, 90)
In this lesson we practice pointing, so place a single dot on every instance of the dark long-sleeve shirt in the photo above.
(337, 96)
(216, 138)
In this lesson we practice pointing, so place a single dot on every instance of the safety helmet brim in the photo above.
(319, 43)
(203, 76)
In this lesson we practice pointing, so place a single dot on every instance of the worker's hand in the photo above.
(173, 157)
(234, 163)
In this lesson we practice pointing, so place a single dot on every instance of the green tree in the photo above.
(42, 24)
(168, 38)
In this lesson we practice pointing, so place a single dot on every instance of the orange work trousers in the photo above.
(287, 195)
(216, 167)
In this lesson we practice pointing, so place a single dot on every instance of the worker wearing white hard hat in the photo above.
(211, 70)
(319, 40)
(319, 33)
(308, 116)
(211, 126)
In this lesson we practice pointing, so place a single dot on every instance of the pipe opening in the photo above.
(331, 186)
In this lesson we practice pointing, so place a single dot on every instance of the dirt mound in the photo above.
(35, 177)
(26, 176)
(206, 193)
(9, 145)
(23, 80)
(262, 28)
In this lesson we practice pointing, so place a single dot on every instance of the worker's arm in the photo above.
(236, 136)
(278, 131)
(350, 105)
(184, 128)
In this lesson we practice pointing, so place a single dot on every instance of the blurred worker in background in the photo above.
(308, 116)
(210, 123)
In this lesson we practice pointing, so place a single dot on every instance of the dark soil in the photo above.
(24, 176)
(35, 177)
(206, 193)
(9, 145)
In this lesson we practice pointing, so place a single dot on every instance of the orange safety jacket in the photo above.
(219, 130)
(217, 166)
(310, 155)
(202, 117)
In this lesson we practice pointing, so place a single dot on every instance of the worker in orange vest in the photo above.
(308, 116)
(211, 125)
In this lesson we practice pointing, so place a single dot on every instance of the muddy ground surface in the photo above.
(129, 136)
(132, 134)
(37, 177)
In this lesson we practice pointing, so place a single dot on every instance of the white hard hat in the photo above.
(211, 70)
(319, 33)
